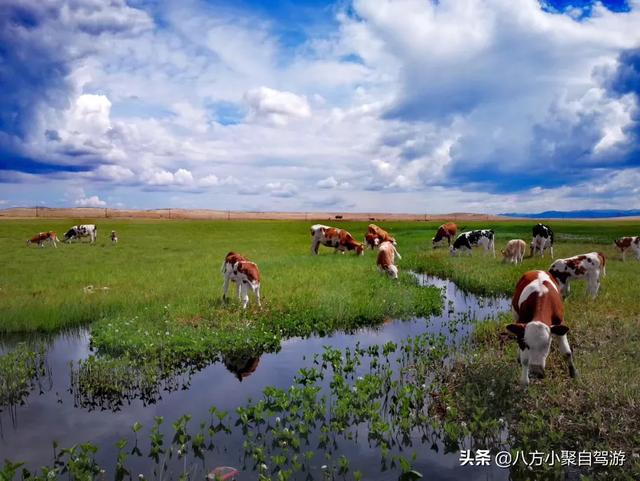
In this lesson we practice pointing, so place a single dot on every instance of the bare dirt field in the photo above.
(206, 214)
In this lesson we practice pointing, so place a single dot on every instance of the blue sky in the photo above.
(363, 105)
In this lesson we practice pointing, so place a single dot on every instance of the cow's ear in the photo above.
(517, 329)
(559, 330)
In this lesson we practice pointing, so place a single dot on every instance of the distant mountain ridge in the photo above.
(578, 214)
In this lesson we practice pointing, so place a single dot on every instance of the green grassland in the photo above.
(164, 297)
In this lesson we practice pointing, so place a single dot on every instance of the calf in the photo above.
(589, 266)
(339, 239)
(80, 231)
(386, 257)
(625, 244)
(114, 237)
(514, 251)
(227, 272)
(538, 313)
(475, 238)
(371, 240)
(445, 231)
(377, 235)
(542, 239)
(43, 237)
(236, 268)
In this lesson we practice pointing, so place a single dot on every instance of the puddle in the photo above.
(52, 413)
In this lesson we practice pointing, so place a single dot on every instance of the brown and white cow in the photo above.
(386, 259)
(377, 235)
(236, 268)
(625, 244)
(445, 231)
(43, 237)
(538, 314)
(591, 266)
(514, 251)
(339, 239)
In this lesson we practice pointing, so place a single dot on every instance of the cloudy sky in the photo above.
(302, 105)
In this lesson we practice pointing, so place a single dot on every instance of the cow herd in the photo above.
(537, 303)
(77, 232)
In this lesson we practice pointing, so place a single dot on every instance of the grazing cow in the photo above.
(474, 238)
(43, 237)
(245, 274)
(542, 239)
(83, 230)
(625, 244)
(376, 235)
(589, 266)
(339, 239)
(514, 251)
(538, 313)
(114, 237)
(386, 257)
(445, 231)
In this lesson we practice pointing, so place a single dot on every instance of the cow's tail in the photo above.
(224, 264)
(603, 263)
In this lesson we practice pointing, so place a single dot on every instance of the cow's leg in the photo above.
(256, 292)
(245, 295)
(563, 344)
(593, 284)
(225, 286)
(524, 362)
(551, 250)
(239, 289)
(315, 243)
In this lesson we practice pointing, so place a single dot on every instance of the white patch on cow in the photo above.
(536, 286)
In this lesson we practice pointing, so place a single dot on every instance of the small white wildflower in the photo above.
(324, 466)
(166, 333)
(360, 378)
(140, 476)
(263, 467)
(501, 421)
(463, 424)
(491, 393)
(277, 419)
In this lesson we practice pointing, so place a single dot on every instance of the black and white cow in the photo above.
(474, 238)
(82, 230)
(542, 239)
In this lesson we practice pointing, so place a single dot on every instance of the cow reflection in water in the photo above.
(241, 365)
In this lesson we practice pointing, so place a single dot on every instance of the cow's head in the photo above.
(437, 241)
(453, 251)
(70, 234)
(359, 249)
(534, 342)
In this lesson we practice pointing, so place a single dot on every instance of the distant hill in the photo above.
(578, 214)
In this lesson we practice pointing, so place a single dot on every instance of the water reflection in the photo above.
(241, 365)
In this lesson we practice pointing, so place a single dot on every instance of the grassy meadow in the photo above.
(165, 286)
